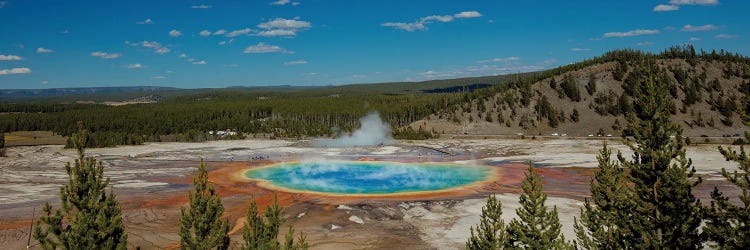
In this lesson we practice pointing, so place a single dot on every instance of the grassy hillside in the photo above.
(710, 91)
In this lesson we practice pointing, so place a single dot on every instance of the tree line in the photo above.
(188, 120)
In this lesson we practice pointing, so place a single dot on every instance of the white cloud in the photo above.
(157, 47)
(222, 42)
(694, 39)
(638, 32)
(579, 49)
(421, 24)
(295, 3)
(45, 82)
(431, 74)
(283, 27)
(706, 27)
(280, 2)
(406, 26)
(202, 6)
(162, 50)
(241, 32)
(444, 19)
(272, 28)
(481, 70)
(136, 66)
(175, 33)
(694, 2)
(263, 48)
(500, 60)
(104, 55)
(297, 62)
(726, 36)
(183, 55)
(159, 77)
(10, 58)
(201, 62)
(190, 60)
(147, 21)
(269, 33)
(281, 23)
(666, 7)
(646, 43)
(43, 50)
(14, 71)
(468, 14)
(2, 4)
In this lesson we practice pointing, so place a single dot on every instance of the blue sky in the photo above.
(197, 44)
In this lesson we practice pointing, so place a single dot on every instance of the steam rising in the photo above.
(372, 131)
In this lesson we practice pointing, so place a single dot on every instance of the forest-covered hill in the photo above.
(710, 94)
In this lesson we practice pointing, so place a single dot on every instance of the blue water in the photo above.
(344, 177)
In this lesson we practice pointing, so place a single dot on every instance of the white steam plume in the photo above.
(372, 131)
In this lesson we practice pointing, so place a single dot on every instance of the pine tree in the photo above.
(591, 84)
(537, 227)
(201, 225)
(261, 232)
(601, 225)
(90, 217)
(575, 116)
(2, 144)
(253, 231)
(490, 233)
(667, 215)
(728, 224)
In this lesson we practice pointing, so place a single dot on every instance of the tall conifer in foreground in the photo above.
(201, 226)
(490, 233)
(728, 224)
(536, 227)
(667, 215)
(90, 217)
(261, 232)
(601, 225)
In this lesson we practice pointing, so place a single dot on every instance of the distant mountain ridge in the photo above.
(124, 93)
(26, 93)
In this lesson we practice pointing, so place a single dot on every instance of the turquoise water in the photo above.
(344, 177)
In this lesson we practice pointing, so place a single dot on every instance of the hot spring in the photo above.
(368, 178)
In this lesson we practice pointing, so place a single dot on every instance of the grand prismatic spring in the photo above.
(368, 178)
